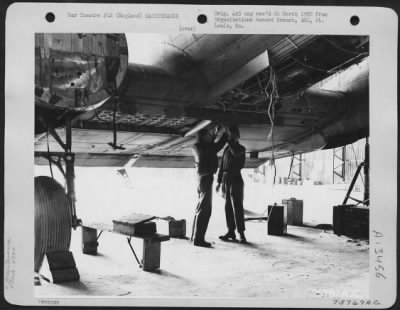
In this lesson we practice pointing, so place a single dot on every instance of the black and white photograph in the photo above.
(204, 165)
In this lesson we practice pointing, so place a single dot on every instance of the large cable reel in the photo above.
(52, 219)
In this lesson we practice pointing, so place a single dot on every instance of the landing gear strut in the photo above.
(69, 159)
(55, 213)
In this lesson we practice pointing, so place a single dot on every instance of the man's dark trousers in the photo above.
(234, 204)
(203, 209)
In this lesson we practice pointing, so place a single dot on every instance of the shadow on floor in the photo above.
(181, 238)
(75, 285)
(298, 238)
(167, 274)
(249, 244)
(324, 227)
(250, 213)
(99, 254)
(236, 242)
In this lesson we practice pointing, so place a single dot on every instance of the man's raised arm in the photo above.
(222, 140)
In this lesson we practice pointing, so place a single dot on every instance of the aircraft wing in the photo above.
(288, 94)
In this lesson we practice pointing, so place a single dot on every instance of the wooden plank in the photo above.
(99, 226)
(109, 227)
(129, 224)
(147, 228)
(60, 260)
(62, 266)
(154, 237)
(65, 275)
(134, 218)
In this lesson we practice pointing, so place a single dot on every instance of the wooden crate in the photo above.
(294, 211)
(351, 221)
(151, 240)
(62, 266)
(177, 229)
(134, 224)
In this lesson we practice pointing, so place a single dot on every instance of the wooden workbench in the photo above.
(151, 243)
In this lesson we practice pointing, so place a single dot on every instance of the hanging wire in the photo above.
(271, 108)
(271, 96)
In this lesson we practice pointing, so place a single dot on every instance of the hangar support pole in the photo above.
(339, 169)
(366, 173)
(296, 167)
(69, 158)
(115, 96)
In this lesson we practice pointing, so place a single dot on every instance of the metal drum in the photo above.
(52, 219)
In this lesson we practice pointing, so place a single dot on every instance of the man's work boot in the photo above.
(230, 235)
(202, 243)
(242, 238)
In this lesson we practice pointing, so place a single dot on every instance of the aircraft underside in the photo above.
(139, 100)
(307, 93)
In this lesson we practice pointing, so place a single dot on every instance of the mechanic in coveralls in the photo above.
(230, 178)
(206, 160)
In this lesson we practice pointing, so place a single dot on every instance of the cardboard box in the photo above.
(351, 221)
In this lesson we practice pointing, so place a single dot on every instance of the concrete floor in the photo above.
(307, 263)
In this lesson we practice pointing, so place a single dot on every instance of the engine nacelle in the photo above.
(76, 73)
